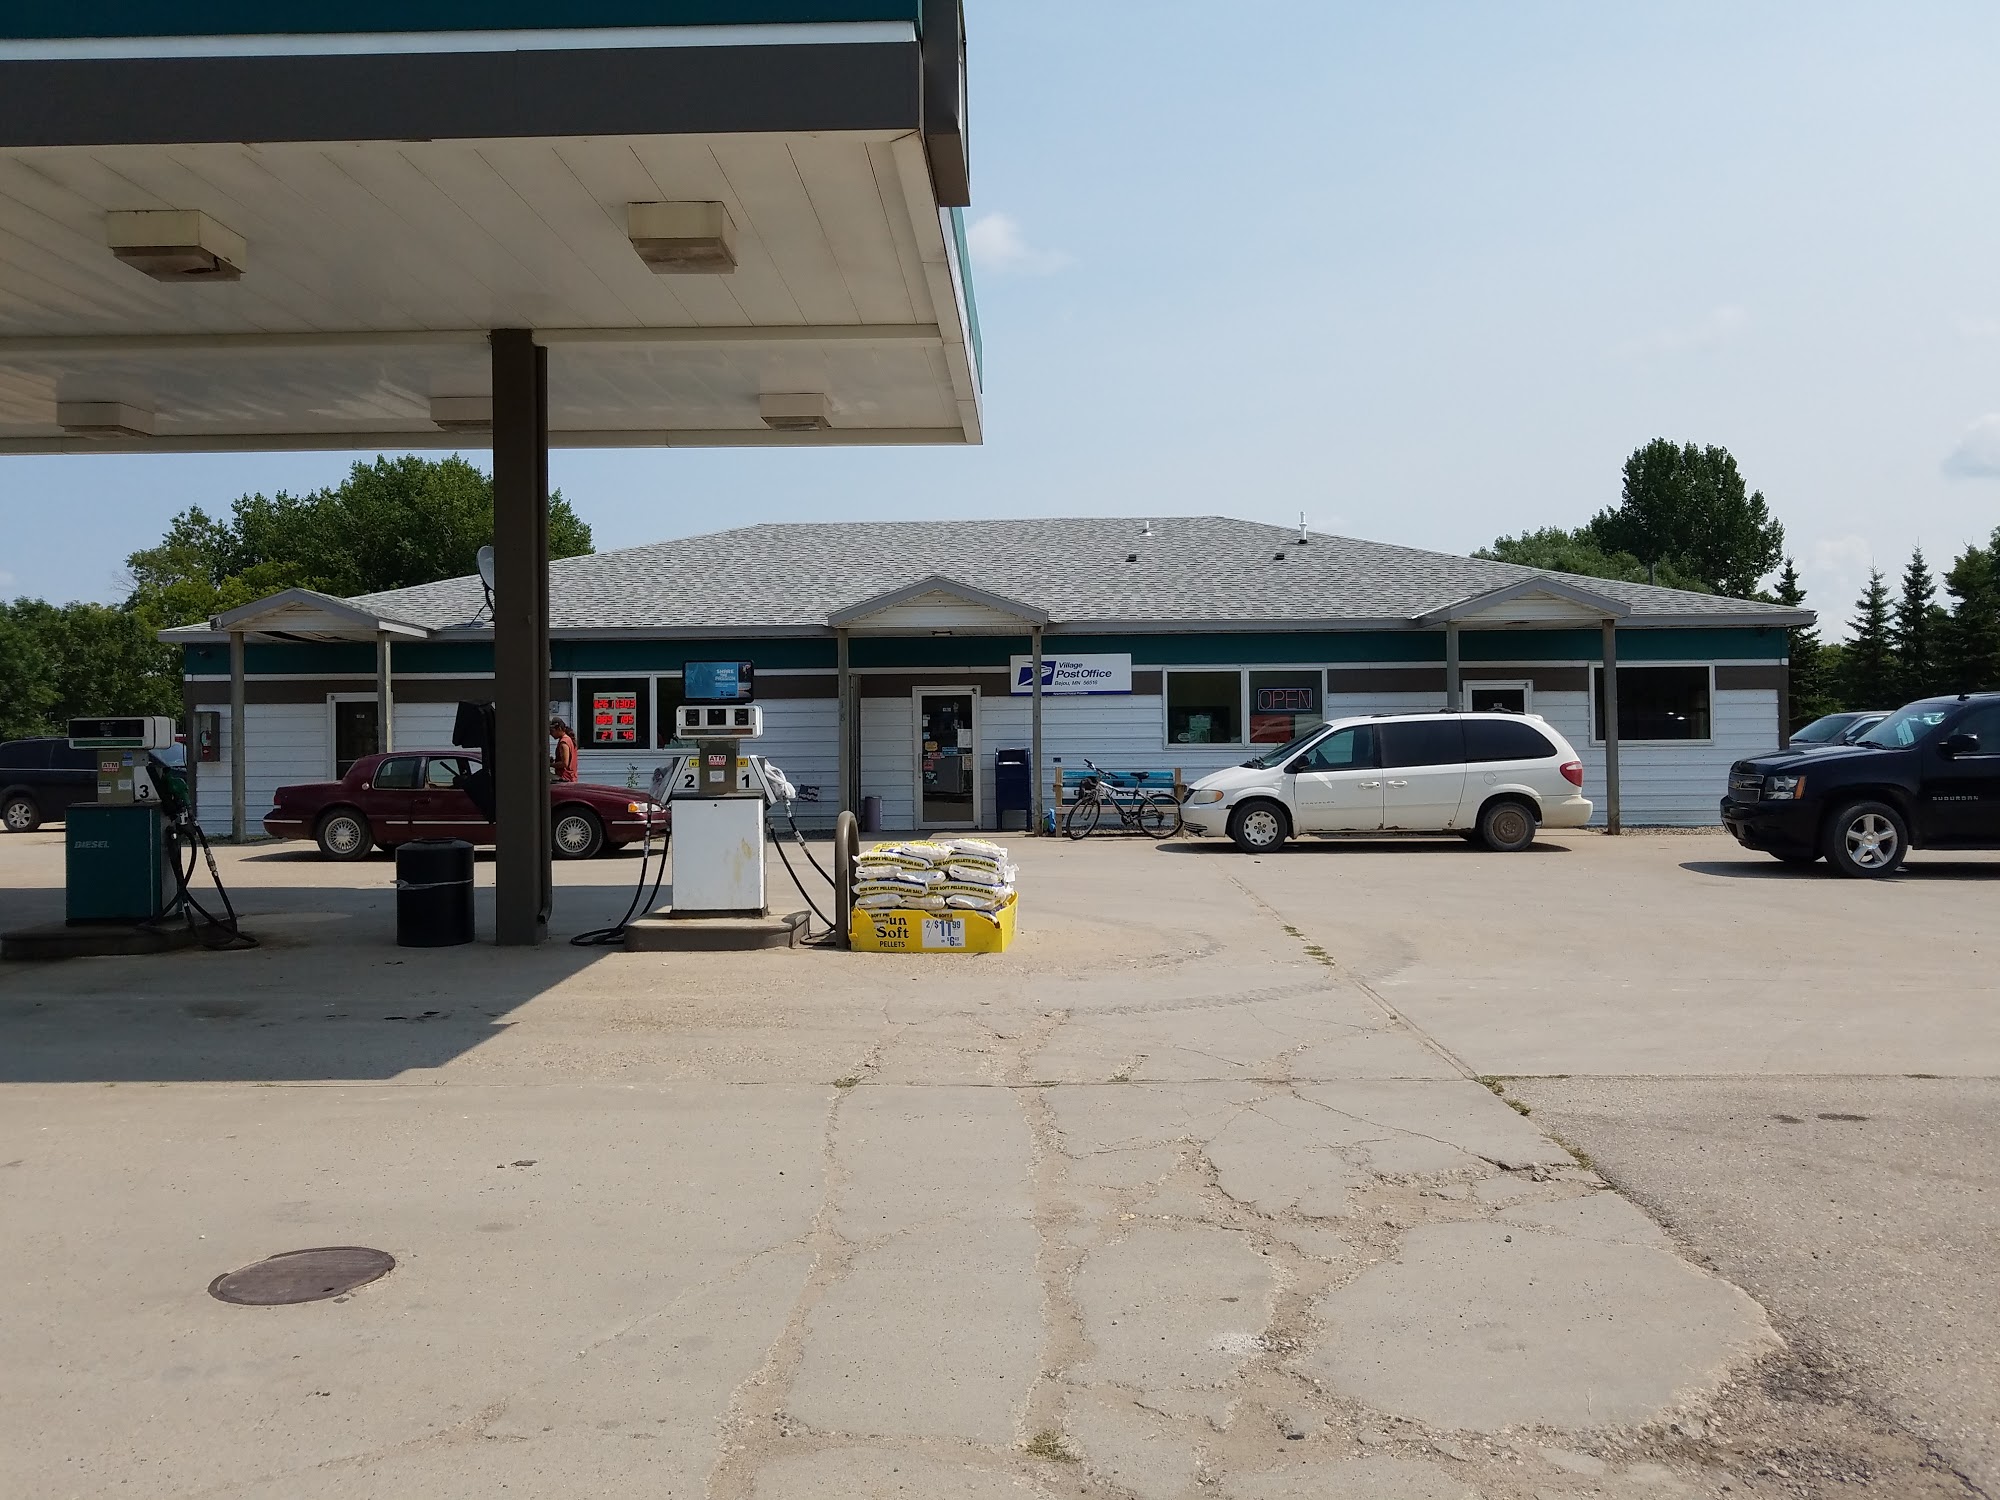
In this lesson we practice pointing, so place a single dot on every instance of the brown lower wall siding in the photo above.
(417, 690)
(1750, 679)
(1431, 679)
(902, 684)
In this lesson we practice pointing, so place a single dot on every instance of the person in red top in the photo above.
(563, 763)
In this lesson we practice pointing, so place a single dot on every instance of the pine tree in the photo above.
(1809, 692)
(1869, 663)
(1970, 638)
(1914, 632)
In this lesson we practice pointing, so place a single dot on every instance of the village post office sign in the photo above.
(1075, 674)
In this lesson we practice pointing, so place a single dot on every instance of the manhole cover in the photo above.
(302, 1276)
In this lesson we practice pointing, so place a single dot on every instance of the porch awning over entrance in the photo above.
(306, 615)
(939, 605)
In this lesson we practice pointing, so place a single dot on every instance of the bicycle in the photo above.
(1155, 814)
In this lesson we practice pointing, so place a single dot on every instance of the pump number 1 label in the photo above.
(944, 932)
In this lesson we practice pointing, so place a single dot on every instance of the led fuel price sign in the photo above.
(614, 718)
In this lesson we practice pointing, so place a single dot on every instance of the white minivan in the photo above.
(1491, 777)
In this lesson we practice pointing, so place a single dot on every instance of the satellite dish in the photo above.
(486, 575)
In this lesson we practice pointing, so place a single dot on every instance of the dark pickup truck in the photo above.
(1926, 777)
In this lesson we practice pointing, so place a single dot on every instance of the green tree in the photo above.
(1868, 666)
(78, 659)
(1686, 508)
(391, 524)
(1810, 693)
(1555, 550)
(1914, 631)
(1969, 639)
(28, 691)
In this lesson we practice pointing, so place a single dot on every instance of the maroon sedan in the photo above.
(420, 794)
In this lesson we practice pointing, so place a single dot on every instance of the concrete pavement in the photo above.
(1169, 1201)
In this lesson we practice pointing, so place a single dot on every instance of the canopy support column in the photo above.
(850, 761)
(1613, 812)
(385, 697)
(1453, 673)
(523, 878)
(1035, 739)
(239, 758)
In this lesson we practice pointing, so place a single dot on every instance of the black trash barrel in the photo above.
(433, 893)
(871, 814)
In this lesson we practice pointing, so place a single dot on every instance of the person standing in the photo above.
(562, 765)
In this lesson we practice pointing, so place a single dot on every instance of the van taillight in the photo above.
(1573, 772)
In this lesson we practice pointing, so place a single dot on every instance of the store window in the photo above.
(1657, 703)
(668, 698)
(1205, 708)
(1284, 705)
(615, 713)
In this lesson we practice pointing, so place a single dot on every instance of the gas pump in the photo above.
(119, 860)
(719, 829)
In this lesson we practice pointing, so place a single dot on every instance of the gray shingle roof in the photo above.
(1196, 570)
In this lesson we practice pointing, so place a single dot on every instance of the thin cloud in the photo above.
(998, 245)
(1977, 455)
(1979, 328)
(1835, 571)
(1708, 332)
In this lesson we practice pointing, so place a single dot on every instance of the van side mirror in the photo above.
(1959, 744)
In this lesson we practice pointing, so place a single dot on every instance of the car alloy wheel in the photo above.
(344, 835)
(21, 816)
(577, 835)
(1866, 840)
(1872, 841)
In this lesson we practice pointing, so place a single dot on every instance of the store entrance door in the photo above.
(947, 758)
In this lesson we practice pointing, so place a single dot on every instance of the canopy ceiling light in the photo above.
(804, 412)
(462, 413)
(683, 238)
(176, 244)
(103, 419)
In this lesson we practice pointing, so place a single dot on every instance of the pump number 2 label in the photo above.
(944, 932)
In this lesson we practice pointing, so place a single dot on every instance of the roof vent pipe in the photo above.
(1303, 538)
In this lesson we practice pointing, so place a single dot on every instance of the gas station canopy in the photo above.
(285, 226)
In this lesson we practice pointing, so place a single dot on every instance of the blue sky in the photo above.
(1425, 272)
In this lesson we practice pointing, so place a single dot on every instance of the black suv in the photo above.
(41, 779)
(1926, 777)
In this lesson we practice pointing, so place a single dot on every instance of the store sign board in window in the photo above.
(718, 682)
(1286, 700)
(1105, 673)
(1284, 704)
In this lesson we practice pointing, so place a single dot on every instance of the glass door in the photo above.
(355, 733)
(947, 759)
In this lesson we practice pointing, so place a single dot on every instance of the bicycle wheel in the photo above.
(1159, 816)
(1081, 820)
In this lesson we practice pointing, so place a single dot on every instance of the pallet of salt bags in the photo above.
(943, 896)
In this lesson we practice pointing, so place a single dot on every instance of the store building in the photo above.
(1179, 644)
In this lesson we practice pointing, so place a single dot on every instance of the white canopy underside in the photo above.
(375, 270)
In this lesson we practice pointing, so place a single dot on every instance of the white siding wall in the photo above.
(1675, 785)
(888, 758)
(1669, 785)
(284, 743)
